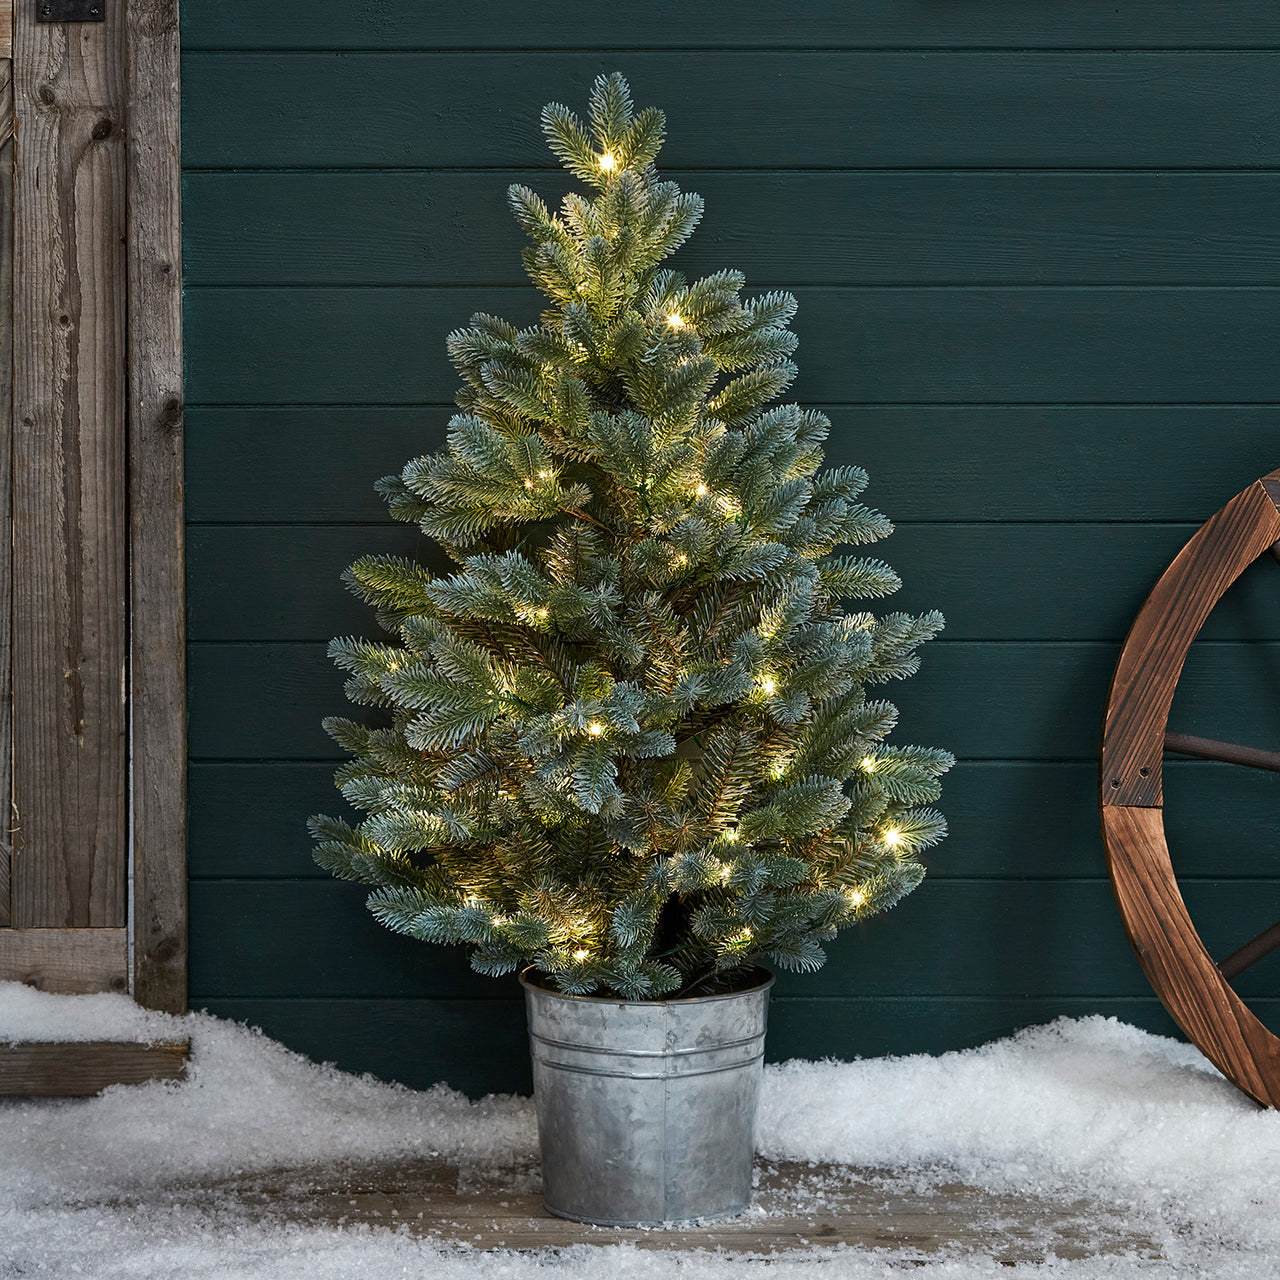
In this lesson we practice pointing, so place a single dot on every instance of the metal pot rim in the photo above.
(766, 980)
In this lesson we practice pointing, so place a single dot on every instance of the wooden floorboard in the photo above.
(54, 1069)
(797, 1206)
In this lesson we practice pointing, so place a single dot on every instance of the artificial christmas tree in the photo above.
(629, 745)
(627, 740)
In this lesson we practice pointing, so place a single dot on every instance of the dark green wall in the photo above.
(1037, 255)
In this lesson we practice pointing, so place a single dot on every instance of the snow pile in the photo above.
(28, 1014)
(248, 1104)
(1081, 1103)
(1088, 1109)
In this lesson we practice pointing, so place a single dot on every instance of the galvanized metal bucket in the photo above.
(647, 1109)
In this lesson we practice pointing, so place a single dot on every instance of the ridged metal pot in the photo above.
(647, 1109)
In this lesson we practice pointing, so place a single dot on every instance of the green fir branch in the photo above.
(624, 737)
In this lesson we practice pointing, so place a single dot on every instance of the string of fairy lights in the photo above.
(767, 682)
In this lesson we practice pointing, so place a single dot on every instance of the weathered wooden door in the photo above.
(92, 736)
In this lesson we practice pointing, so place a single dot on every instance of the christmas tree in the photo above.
(626, 739)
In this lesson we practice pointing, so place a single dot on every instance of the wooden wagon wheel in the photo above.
(1195, 990)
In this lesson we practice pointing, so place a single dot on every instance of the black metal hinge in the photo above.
(71, 10)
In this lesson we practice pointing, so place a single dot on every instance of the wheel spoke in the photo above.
(1227, 752)
(1253, 951)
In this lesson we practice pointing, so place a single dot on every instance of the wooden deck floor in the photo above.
(796, 1206)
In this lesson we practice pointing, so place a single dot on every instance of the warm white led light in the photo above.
(608, 162)
(867, 764)
(701, 491)
(542, 475)
(581, 954)
(595, 728)
(676, 321)
(769, 685)
(892, 837)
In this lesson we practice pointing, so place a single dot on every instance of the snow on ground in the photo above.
(1080, 1108)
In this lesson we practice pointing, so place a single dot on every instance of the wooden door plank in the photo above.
(6, 476)
(157, 660)
(6, 111)
(70, 531)
(6, 28)
(68, 961)
(794, 1205)
(39, 1069)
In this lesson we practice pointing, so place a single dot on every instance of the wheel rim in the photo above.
(1190, 984)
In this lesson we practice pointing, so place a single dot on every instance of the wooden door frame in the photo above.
(157, 601)
(130, 92)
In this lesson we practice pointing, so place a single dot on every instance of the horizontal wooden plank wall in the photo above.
(803, 110)
(810, 24)
(1020, 699)
(1039, 278)
(986, 226)
(1024, 344)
